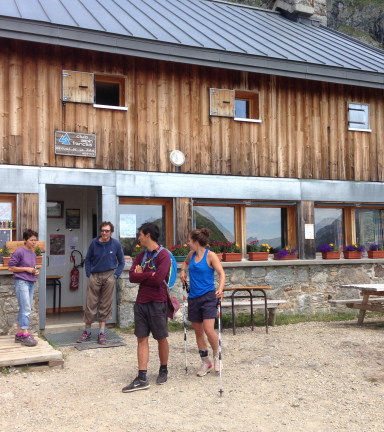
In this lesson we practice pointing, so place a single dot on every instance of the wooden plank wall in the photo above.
(303, 133)
(28, 213)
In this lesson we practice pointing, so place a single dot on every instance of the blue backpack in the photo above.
(172, 270)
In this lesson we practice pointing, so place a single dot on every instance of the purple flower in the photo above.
(325, 248)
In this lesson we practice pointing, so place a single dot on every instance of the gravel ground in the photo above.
(304, 377)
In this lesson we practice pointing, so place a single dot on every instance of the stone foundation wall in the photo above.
(9, 307)
(305, 287)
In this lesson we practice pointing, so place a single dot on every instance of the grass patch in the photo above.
(50, 343)
(5, 370)
(25, 368)
(127, 330)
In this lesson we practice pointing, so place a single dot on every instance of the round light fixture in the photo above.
(177, 158)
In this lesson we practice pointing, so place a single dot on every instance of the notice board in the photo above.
(75, 144)
(5, 235)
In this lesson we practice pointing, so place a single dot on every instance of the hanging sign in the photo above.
(75, 144)
(309, 231)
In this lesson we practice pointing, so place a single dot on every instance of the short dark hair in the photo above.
(27, 234)
(103, 224)
(151, 229)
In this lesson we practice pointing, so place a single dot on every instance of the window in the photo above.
(329, 227)
(133, 212)
(219, 220)
(369, 226)
(240, 105)
(358, 117)
(267, 225)
(8, 209)
(109, 90)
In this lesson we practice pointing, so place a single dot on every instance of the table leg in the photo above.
(265, 311)
(233, 313)
(362, 312)
(250, 293)
(54, 295)
(59, 296)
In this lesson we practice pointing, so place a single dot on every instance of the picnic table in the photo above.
(368, 302)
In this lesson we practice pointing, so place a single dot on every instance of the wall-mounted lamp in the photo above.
(177, 158)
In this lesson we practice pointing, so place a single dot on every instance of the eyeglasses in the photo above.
(106, 231)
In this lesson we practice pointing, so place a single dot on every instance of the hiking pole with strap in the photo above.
(219, 325)
(185, 288)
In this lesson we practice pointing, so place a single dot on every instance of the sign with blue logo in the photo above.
(75, 144)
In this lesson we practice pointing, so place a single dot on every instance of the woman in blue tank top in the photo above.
(202, 299)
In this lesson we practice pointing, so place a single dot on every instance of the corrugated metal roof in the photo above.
(201, 25)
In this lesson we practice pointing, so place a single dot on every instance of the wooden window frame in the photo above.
(348, 216)
(13, 199)
(114, 79)
(253, 99)
(358, 129)
(167, 202)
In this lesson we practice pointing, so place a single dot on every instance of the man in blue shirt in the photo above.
(101, 261)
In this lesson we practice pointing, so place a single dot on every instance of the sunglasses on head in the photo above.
(106, 231)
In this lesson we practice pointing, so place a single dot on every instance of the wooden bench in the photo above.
(14, 245)
(355, 301)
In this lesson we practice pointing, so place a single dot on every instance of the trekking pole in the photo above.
(219, 325)
(185, 287)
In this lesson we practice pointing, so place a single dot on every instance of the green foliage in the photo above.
(38, 251)
(25, 368)
(5, 251)
(5, 370)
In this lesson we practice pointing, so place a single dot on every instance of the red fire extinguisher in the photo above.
(75, 274)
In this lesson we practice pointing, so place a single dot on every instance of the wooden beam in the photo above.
(183, 209)
(307, 216)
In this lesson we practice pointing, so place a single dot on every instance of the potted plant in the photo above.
(136, 251)
(217, 248)
(179, 252)
(6, 255)
(286, 254)
(376, 251)
(329, 251)
(353, 251)
(257, 252)
(232, 252)
(39, 256)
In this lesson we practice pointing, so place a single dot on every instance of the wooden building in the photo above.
(279, 120)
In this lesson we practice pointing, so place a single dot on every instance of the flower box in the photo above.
(376, 254)
(6, 261)
(232, 256)
(180, 258)
(352, 254)
(220, 256)
(258, 256)
(331, 255)
(39, 260)
(286, 257)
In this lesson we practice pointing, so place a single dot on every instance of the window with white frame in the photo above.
(358, 117)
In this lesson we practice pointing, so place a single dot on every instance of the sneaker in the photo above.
(102, 340)
(162, 377)
(216, 363)
(29, 340)
(136, 384)
(85, 337)
(18, 339)
(204, 369)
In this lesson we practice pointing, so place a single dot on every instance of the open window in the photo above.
(247, 106)
(109, 91)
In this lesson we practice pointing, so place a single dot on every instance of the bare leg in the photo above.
(102, 325)
(143, 353)
(200, 336)
(209, 329)
(163, 351)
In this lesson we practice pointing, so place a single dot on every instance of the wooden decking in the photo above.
(14, 354)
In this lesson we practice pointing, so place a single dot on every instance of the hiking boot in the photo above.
(216, 363)
(85, 337)
(28, 340)
(204, 369)
(102, 340)
(136, 384)
(162, 377)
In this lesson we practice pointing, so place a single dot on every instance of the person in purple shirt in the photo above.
(23, 265)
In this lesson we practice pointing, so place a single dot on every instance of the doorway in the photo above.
(72, 218)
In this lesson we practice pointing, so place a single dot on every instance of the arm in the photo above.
(121, 261)
(136, 277)
(88, 260)
(214, 262)
(184, 268)
(163, 265)
(14, 265)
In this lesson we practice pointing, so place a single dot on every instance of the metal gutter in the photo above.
(14, 28)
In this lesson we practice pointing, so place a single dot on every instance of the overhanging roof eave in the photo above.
(98, 41)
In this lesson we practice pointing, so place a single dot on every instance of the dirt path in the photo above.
(305, 377)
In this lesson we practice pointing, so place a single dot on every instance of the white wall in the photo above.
(86, 201)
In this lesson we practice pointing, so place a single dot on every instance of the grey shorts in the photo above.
(151, 317)
(203, 307)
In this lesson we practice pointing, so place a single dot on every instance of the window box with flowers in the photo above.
(329, 251)
(136, 251)
(353, 251)
(6, 255)
(179, 252)
(258, 252)
(232, 252)
(39, 256)
(217, 248)
(286, 254)
(375, 251)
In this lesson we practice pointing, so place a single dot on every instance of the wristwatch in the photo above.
(115, 276)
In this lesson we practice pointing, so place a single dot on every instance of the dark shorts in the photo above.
(151, 317)
(203, 307)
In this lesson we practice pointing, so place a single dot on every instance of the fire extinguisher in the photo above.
(75, 274)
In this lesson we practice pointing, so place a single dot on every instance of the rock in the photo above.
(302, 275)
(238, 277)
(304, 305)
(258, 272)
(319, 277)
(280, 277)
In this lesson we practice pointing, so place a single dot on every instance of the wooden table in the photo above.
(367, 304)
(251, 296)
(56, 282)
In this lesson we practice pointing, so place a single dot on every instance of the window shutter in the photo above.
(222, 103)
(78, 87)
(358, 116)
